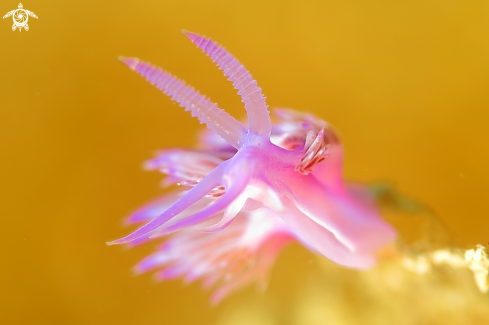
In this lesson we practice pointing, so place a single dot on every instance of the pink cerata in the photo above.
(251, 189)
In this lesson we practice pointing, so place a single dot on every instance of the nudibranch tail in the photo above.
(199, 106)
(258, 115)
(355, 225)
(322, 240)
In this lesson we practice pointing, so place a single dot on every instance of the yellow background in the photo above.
(405, 82)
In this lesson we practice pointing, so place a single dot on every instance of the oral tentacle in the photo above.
(231, 211)
(152, 209)
(200, 216)
(187, 97)
(235, 179)
(159, 232)
(251, 95)
(192, 196)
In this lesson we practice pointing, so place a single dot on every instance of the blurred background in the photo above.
(405, 83)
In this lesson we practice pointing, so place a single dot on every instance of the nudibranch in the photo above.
(252, 188)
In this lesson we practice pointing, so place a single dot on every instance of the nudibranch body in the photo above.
(289, 172)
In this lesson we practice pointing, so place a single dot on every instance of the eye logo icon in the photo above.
(20, 17)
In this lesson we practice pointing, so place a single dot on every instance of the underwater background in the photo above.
(406, 83)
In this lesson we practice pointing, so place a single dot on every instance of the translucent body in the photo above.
(292, 169)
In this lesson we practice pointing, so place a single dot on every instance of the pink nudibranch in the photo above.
(294, 172)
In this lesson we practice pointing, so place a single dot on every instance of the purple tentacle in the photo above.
(192, 196)
(199, 106)
(231, 211)
(226, 200)
(251, 95)
(235, 179)
(152, 210)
